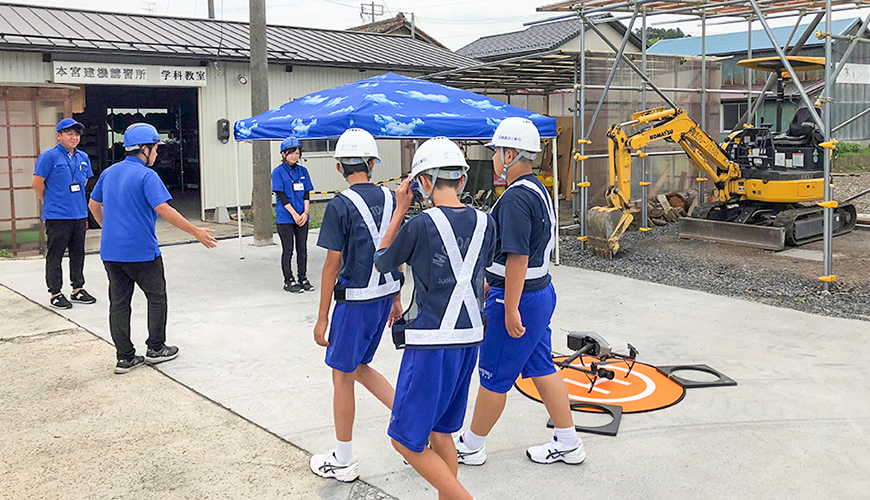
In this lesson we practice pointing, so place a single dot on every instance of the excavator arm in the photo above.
(607, 224)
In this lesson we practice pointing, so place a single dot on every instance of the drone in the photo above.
(592, 344)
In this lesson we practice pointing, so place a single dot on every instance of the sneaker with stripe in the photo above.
(466, 455)
(327, 466)
(554, 451)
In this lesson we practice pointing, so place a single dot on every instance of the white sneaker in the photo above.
(468, 456)
(327, 466)
(555, 451)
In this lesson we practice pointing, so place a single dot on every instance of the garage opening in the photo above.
(106, 111)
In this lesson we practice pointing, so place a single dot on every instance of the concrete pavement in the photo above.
(797, 424)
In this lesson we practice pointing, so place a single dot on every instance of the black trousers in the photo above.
(294, 235)
(62, 235)
(149, 277)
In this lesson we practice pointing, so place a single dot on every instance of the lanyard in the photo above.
(290, 170)
(72, 168)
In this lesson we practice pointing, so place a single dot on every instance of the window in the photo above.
(731, 114)
(318, 147)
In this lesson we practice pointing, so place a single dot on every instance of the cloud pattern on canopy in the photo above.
(388, 106)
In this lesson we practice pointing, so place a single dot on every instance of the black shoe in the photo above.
(82, 297)
(306, 285)
(288, 284)
(125, 365)
(60, 302)
(165, 353)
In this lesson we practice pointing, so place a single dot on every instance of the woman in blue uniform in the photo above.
(292, 186)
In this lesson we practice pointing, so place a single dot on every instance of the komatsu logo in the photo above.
(661, 134)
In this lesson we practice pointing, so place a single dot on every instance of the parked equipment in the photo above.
(764, 184)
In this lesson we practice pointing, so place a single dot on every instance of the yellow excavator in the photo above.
(763, 183)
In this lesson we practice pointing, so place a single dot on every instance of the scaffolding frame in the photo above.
(565, 70)
(752, 11)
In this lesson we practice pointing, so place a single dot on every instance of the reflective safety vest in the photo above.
(379, 285)
(542, 270)
(437, 324)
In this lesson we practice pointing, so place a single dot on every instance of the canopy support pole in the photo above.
(556, 195)
(239, 200)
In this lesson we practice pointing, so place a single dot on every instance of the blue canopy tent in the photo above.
(391, 106)
(388, 106)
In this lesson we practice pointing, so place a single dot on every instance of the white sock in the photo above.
(473, 441)
(567, 436)
(343, 451)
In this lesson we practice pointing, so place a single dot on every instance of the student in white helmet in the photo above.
(354, 223)
(448, 248)
(520, 304)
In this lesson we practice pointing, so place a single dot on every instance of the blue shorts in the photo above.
(502, 357)
(355, 333)
(431, 394)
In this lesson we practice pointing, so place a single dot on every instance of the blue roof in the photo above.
(733, 43)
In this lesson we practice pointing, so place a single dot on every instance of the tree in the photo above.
(653, 35)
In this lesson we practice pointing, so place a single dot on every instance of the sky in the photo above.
(454, 23)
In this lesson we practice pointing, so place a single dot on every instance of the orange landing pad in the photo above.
(645, 389)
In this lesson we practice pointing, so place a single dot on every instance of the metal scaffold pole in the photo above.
(584, 184)
(828, 275)
(701, 198)
(750, 117)
(644, 165)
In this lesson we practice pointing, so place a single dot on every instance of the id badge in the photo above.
(75, 188)
(298, 186)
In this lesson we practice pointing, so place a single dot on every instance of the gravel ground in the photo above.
(846, 185)
(757, 275)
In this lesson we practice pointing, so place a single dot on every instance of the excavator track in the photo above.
(805, 225)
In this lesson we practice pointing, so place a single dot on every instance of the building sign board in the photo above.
(855, 73)
(128, 74)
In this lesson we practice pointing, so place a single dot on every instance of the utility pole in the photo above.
(371, 10)
(211, 9)
(262, 205)
(412, 25)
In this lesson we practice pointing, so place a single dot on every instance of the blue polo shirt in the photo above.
(294, 182)
(60, 169)
(129, 191)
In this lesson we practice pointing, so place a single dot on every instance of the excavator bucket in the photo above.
(604, 227)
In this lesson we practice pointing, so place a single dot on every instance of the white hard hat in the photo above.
(516, 133)
(439, 153)
(356, 143)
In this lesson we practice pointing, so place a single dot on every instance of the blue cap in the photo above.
(139, 134)
(68, 123)
(290, 143)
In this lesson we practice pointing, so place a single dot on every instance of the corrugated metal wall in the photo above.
(218, 159)
(227, 98)
(24, 67)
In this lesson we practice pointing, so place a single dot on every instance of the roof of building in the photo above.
(537, 38)
(735, 43)
(69, 31)
(395, 24)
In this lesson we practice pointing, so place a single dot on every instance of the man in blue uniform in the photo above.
(520, 304)
(292, 186)
(126, 201)
(448, 247)
(59, 179)
(353, 226)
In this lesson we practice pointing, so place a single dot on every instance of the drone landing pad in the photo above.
(645, 388)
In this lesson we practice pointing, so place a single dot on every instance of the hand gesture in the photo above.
(203, 237)
(404, 196)
(303, 218)
(396, 311)
(514, 324)
(320, 332)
